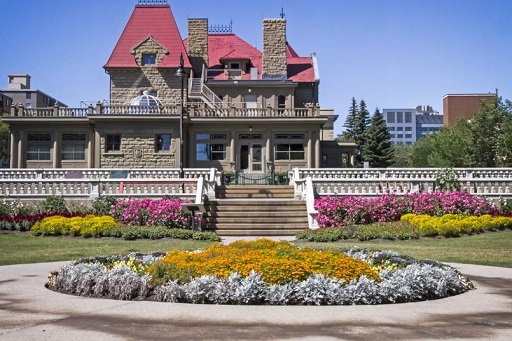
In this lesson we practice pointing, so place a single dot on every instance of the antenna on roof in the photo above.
(282, 15)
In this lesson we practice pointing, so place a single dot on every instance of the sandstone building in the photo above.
(209, 100)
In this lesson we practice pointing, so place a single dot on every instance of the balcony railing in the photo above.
(193, 111)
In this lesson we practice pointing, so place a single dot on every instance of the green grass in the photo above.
(490, 248)
(22, 248)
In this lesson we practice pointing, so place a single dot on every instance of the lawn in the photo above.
(490, 248)
(22, 248)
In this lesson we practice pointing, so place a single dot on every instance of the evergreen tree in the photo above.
(361, 123)
(349, 133)
(378, 149)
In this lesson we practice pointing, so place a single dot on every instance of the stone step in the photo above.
(259, 233)
(255, 192)
(258, 220)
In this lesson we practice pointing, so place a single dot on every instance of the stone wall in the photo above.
(198, 44)
(305, 93)
(274, 47)
(138, 146)
(126, 84)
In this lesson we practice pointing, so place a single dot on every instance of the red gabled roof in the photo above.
(149, 20)
(229, 46)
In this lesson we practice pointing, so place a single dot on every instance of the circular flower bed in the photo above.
(261, 272)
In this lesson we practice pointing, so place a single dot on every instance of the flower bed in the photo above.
(400, 278)
(351, 210)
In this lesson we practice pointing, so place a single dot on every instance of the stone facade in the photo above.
(274, 47)
(198, 44)
(126, 84)
(138, 146)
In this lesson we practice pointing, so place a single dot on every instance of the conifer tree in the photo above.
(378, 149)
(361, 123)
(348, 134)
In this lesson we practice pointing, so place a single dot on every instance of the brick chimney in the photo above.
(274, 48)
(198, 44)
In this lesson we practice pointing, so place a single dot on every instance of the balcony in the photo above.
(192, 111)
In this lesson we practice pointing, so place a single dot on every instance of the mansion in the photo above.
(209, 100)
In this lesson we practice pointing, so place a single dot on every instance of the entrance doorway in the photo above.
(251, 157)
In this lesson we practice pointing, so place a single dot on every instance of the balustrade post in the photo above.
(232, 111)
(14, 110)
(56, 109)
(21, 111)
(269, 110)
(90, 110)
(99, 108)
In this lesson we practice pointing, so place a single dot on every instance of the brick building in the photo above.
(463, 106)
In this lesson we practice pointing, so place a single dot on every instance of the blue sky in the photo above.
(391, 53)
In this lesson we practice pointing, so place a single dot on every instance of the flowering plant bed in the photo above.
(349, 277)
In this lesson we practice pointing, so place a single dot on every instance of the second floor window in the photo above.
(113, 143)
(163, 142)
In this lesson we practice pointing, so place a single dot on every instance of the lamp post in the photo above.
(180, 72)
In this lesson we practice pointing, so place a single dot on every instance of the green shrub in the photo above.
(54, 203)
(102, 205)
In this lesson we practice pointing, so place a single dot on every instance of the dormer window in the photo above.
(234, 66)
(149, 59)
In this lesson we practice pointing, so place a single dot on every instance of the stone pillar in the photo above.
(21, 149)
(317, 150)
(14, 154)
(232, 148)
(310, 151)
(90, 149)
(56, 150)
(274, 47)
(97, 149)
(198, 44)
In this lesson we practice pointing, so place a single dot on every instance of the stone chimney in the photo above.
(274, 49)
(198, 44)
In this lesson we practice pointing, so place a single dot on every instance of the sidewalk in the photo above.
(28, 311)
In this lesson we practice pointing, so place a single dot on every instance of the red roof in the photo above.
(231, 47)
(149, 20)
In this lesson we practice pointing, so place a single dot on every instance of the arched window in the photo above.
(281, 102)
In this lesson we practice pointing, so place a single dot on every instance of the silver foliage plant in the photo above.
(417, 282)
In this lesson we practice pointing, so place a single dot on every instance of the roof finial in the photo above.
(282, 15)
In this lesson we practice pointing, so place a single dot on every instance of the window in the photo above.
(28, 105)
(113, 143)
(38, 146)
(400, 136)
(390, 117)
(250, 136)
(289, 151)
(73, 147)
(281, 102)
(391, 128)
(408, 128)
(235, 66)
(149, 59)
(399, 117)
(408, 117)
(28, 95)
(399, 128)
(295, 136)
(163, 142)
(210, 151)
(211, 136)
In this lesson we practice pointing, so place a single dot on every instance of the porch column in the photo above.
(90, 150)
(21, 149)
(56, 158)
(14, 155)
(232, 149)
(310, 151)
(317, 150)
(97, 149)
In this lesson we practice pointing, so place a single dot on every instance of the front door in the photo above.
(251, 159)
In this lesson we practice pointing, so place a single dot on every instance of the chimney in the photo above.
(17, 82)
(198, 44)
(274, 49)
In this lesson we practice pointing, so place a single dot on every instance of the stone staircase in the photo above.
(256, 211)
